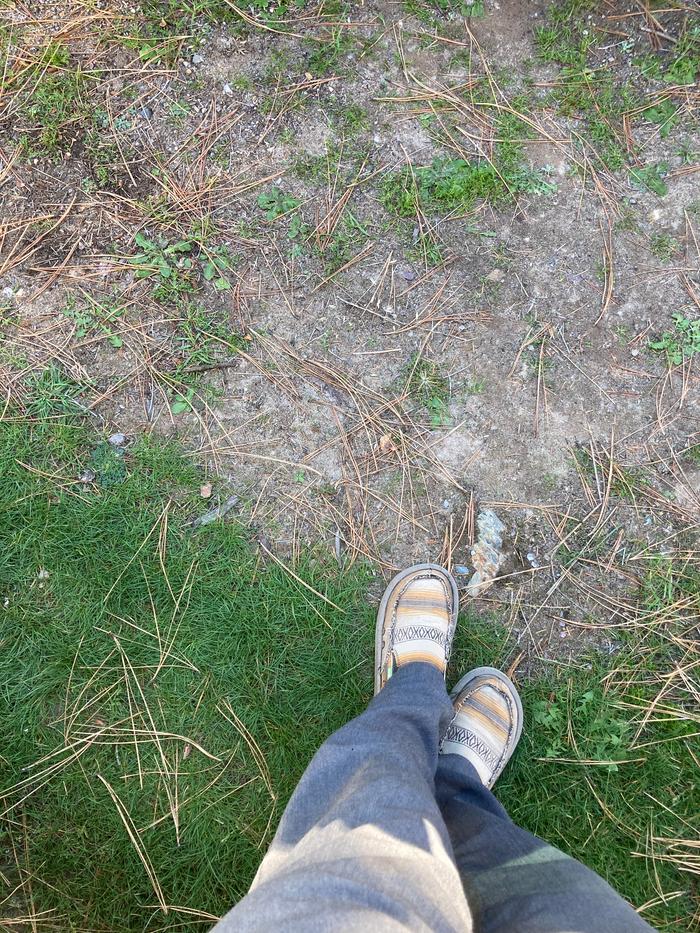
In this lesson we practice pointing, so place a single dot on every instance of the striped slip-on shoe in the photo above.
(488, 722)
(416, 621)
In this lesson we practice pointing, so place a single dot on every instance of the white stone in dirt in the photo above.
(487, 553)
(117, 440)
(197, 59)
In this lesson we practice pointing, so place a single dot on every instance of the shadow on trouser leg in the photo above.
(513, 881)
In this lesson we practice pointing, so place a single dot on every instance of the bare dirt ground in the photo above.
(369, 379)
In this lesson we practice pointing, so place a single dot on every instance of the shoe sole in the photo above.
(391, 587)
(510, 686)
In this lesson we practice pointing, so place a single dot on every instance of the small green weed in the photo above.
(651, 178)
(276, 203)
(664, 114)
(93, 316)
(424, 383)
(53, 393)
(202, 339)
(170, 264)
(663, 246)
(217, 262)
(475, 387)
(53, 104)
(327, 54)
(680, 344)
(344, 242)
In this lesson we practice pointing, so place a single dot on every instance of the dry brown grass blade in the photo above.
(136, 842)
(228, 713)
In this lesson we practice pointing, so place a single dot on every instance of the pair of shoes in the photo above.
(416, 622)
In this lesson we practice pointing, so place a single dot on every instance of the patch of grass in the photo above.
(455, 185)
(681, 343)
(92, 316)
(444, 186)
(202, 339)
(352, 120)
(431, 11)
(341, 246)
(52, 102)
(138, 650)
(163, 25)
(426, 248)
(684, 65)
(564, 38)
(94, 601)
(586, 93)
(592, 97)
(327, 55)
(102, 151)
(663, 246)
(423, 382)
(52, 393)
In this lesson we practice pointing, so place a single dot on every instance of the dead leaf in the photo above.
(205, 491)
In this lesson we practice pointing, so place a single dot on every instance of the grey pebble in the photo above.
(116, 440)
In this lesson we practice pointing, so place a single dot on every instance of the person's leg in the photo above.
(513, 881)
(362, 844)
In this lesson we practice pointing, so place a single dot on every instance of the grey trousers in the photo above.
(382, 834)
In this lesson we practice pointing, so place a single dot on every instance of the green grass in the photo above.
(163, 25)
(422, 380)
(681, 343)
(94, 317)
(79, 565)
(52, 103)
(327, 55)
(663, 246)
(431, 12)
(202, 339)
(118, 615)
(455, 185)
